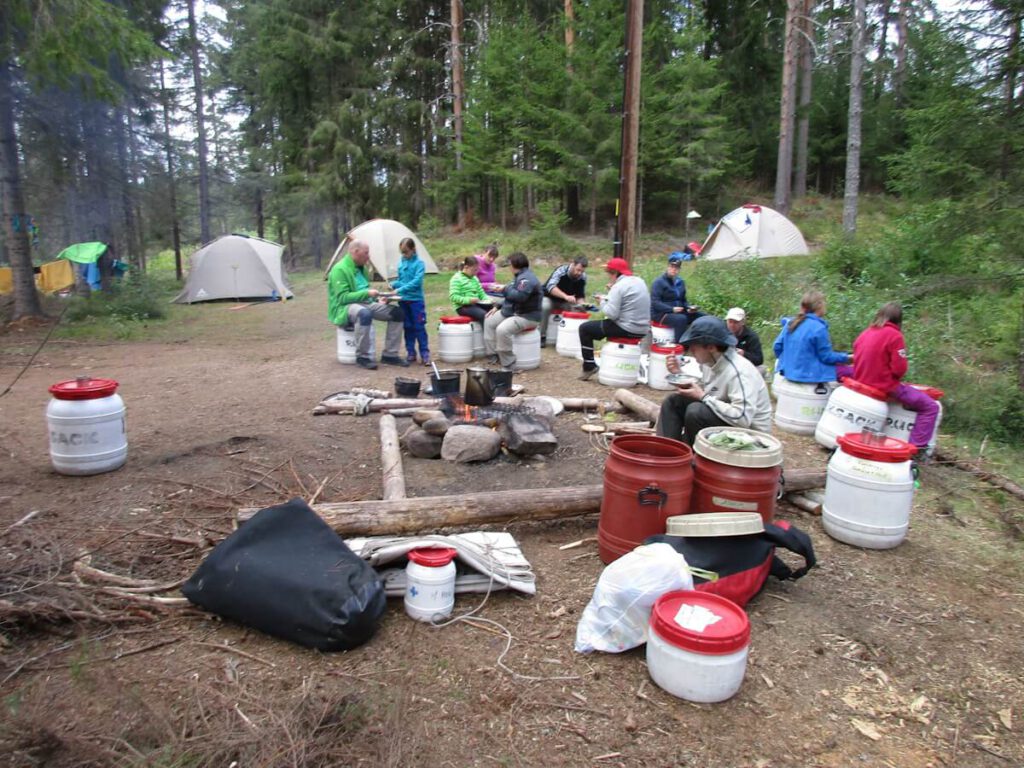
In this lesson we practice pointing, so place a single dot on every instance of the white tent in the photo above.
(236, 267)
(383, 237)
(754, 232)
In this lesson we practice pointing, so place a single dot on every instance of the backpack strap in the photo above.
(782, 534)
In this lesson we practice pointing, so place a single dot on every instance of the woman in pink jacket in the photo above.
(880, 361)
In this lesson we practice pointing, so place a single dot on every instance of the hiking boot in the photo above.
(425, 358)
(411, 358)
(367, 363)
(588, 373)
(492, 359)
(394, 360)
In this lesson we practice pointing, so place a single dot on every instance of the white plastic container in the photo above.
(697, 645)
(657, 366)
(851, 408)
(551, 332)
(346, 346)
(900, 421)
(662, 335)
(869, 491)
(620, 362)
(526, 348)
(478, 339)
(86, 420)
(798, 407)
(568, 343)
(430, 583)
(455, 339)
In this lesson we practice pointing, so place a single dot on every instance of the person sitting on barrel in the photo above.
(565, 289)
(748, 343)
(668, 299)
(627, 309)
(804, 349)
(731, 392)
(466, 293)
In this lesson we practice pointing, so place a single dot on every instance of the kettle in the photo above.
(478, 387)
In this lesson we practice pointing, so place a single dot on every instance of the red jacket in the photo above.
(880, 357)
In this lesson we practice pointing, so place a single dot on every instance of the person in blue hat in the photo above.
(730, 393)
(668, 299)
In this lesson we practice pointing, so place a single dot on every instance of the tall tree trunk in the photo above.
(457, 100)
(122, 124)
(900, 71)
(165, 98)
(630, 127)
(1012, 66)
(854, 121)
(570, 34)
(504, 204)
(884, 12)
(787, 109)
(197, 84)
(26, 299)
(803, 128)
(593, 204)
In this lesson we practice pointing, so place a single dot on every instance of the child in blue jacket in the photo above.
(409, 287)
(804, 348)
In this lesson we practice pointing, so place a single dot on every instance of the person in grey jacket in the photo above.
(520, 311)
(627, 311)
(731, 392)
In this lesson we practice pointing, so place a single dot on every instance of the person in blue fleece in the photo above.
(409, 287)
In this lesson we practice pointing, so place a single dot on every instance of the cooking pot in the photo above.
(478, 387)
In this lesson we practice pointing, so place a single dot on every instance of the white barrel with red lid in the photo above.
(697, 645)
(900, 421)
(620, 362)
(551, 332)
(526, 348)
(568, 343)
(479, 350)
(869, 491)
(86, 421)
(657, 367)
(430, 583)
(455, 339)
(798, 407)
(662, 335)
(851, 408)
(346, 338)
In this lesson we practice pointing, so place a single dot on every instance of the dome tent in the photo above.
(754, 232)
(236, 267)
(383, 237)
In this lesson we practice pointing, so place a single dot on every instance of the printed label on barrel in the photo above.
(742, 506)
(85, 441)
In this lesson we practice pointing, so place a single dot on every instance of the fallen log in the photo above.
(391, 459)
(989, 477)
(640, 405)
(802, 502)
(403, 516)
(375, 406)
(802, 479)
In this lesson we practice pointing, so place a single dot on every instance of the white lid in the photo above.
(764, 450)
(715, 524)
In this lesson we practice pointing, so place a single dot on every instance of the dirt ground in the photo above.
(910, 657)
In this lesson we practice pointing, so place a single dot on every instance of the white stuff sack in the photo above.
(617, 616)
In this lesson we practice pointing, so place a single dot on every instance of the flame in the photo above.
(468, 413)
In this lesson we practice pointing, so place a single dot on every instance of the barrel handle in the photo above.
(782, 485)
(821, 388)
(652, 490)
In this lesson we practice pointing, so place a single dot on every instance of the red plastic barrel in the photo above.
(647, 479)
(736, 481)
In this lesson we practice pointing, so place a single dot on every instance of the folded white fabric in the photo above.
(493, 559)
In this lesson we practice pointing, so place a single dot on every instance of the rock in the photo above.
(526, 435)
(436, 426)
(542, 408)
(423, 445)
(467, 442)
(421, 417)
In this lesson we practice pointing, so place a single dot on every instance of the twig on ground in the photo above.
(20, 522)
(231, 649)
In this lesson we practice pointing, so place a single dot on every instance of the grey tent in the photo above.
(383, 236)
(236, 267)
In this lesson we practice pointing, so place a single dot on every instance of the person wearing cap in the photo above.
(803, 350)
(627, 312)
(519, 312)
(731, 392)
(748, 343)
(668, 299)
(565, 289)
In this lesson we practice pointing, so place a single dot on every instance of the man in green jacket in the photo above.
(351, 301)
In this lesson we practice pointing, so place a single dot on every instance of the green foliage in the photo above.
(127, 304)
(546, 236)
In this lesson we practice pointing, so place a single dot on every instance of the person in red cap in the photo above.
(626, 308)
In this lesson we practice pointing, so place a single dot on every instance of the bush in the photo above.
(134, 299)
(546, 238)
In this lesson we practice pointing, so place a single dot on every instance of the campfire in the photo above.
(459, 412)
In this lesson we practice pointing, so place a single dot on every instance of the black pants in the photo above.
(477, 311)
(679, 321)
(593, 330)
(682, 417)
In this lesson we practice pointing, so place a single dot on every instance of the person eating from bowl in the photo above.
(627, 312)
(730, 393)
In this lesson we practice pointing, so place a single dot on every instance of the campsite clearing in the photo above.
(909, 657)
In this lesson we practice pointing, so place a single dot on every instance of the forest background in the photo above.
(155, 126)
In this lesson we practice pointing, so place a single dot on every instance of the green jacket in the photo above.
(463, 288)
(342, 290)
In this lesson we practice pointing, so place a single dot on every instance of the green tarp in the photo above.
(83, 253)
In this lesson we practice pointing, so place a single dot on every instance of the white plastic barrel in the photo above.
(799, 406)
(430, 583)
(568, 343)
(662, 335)
(657, 367)
(869, 491)
(620, 362)
(478, 338)
(455, 339)
(526, 348)
(86, 420)
(551, 332)
(697, 645)
(851, 408)
(900, 421)
(346, 345)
